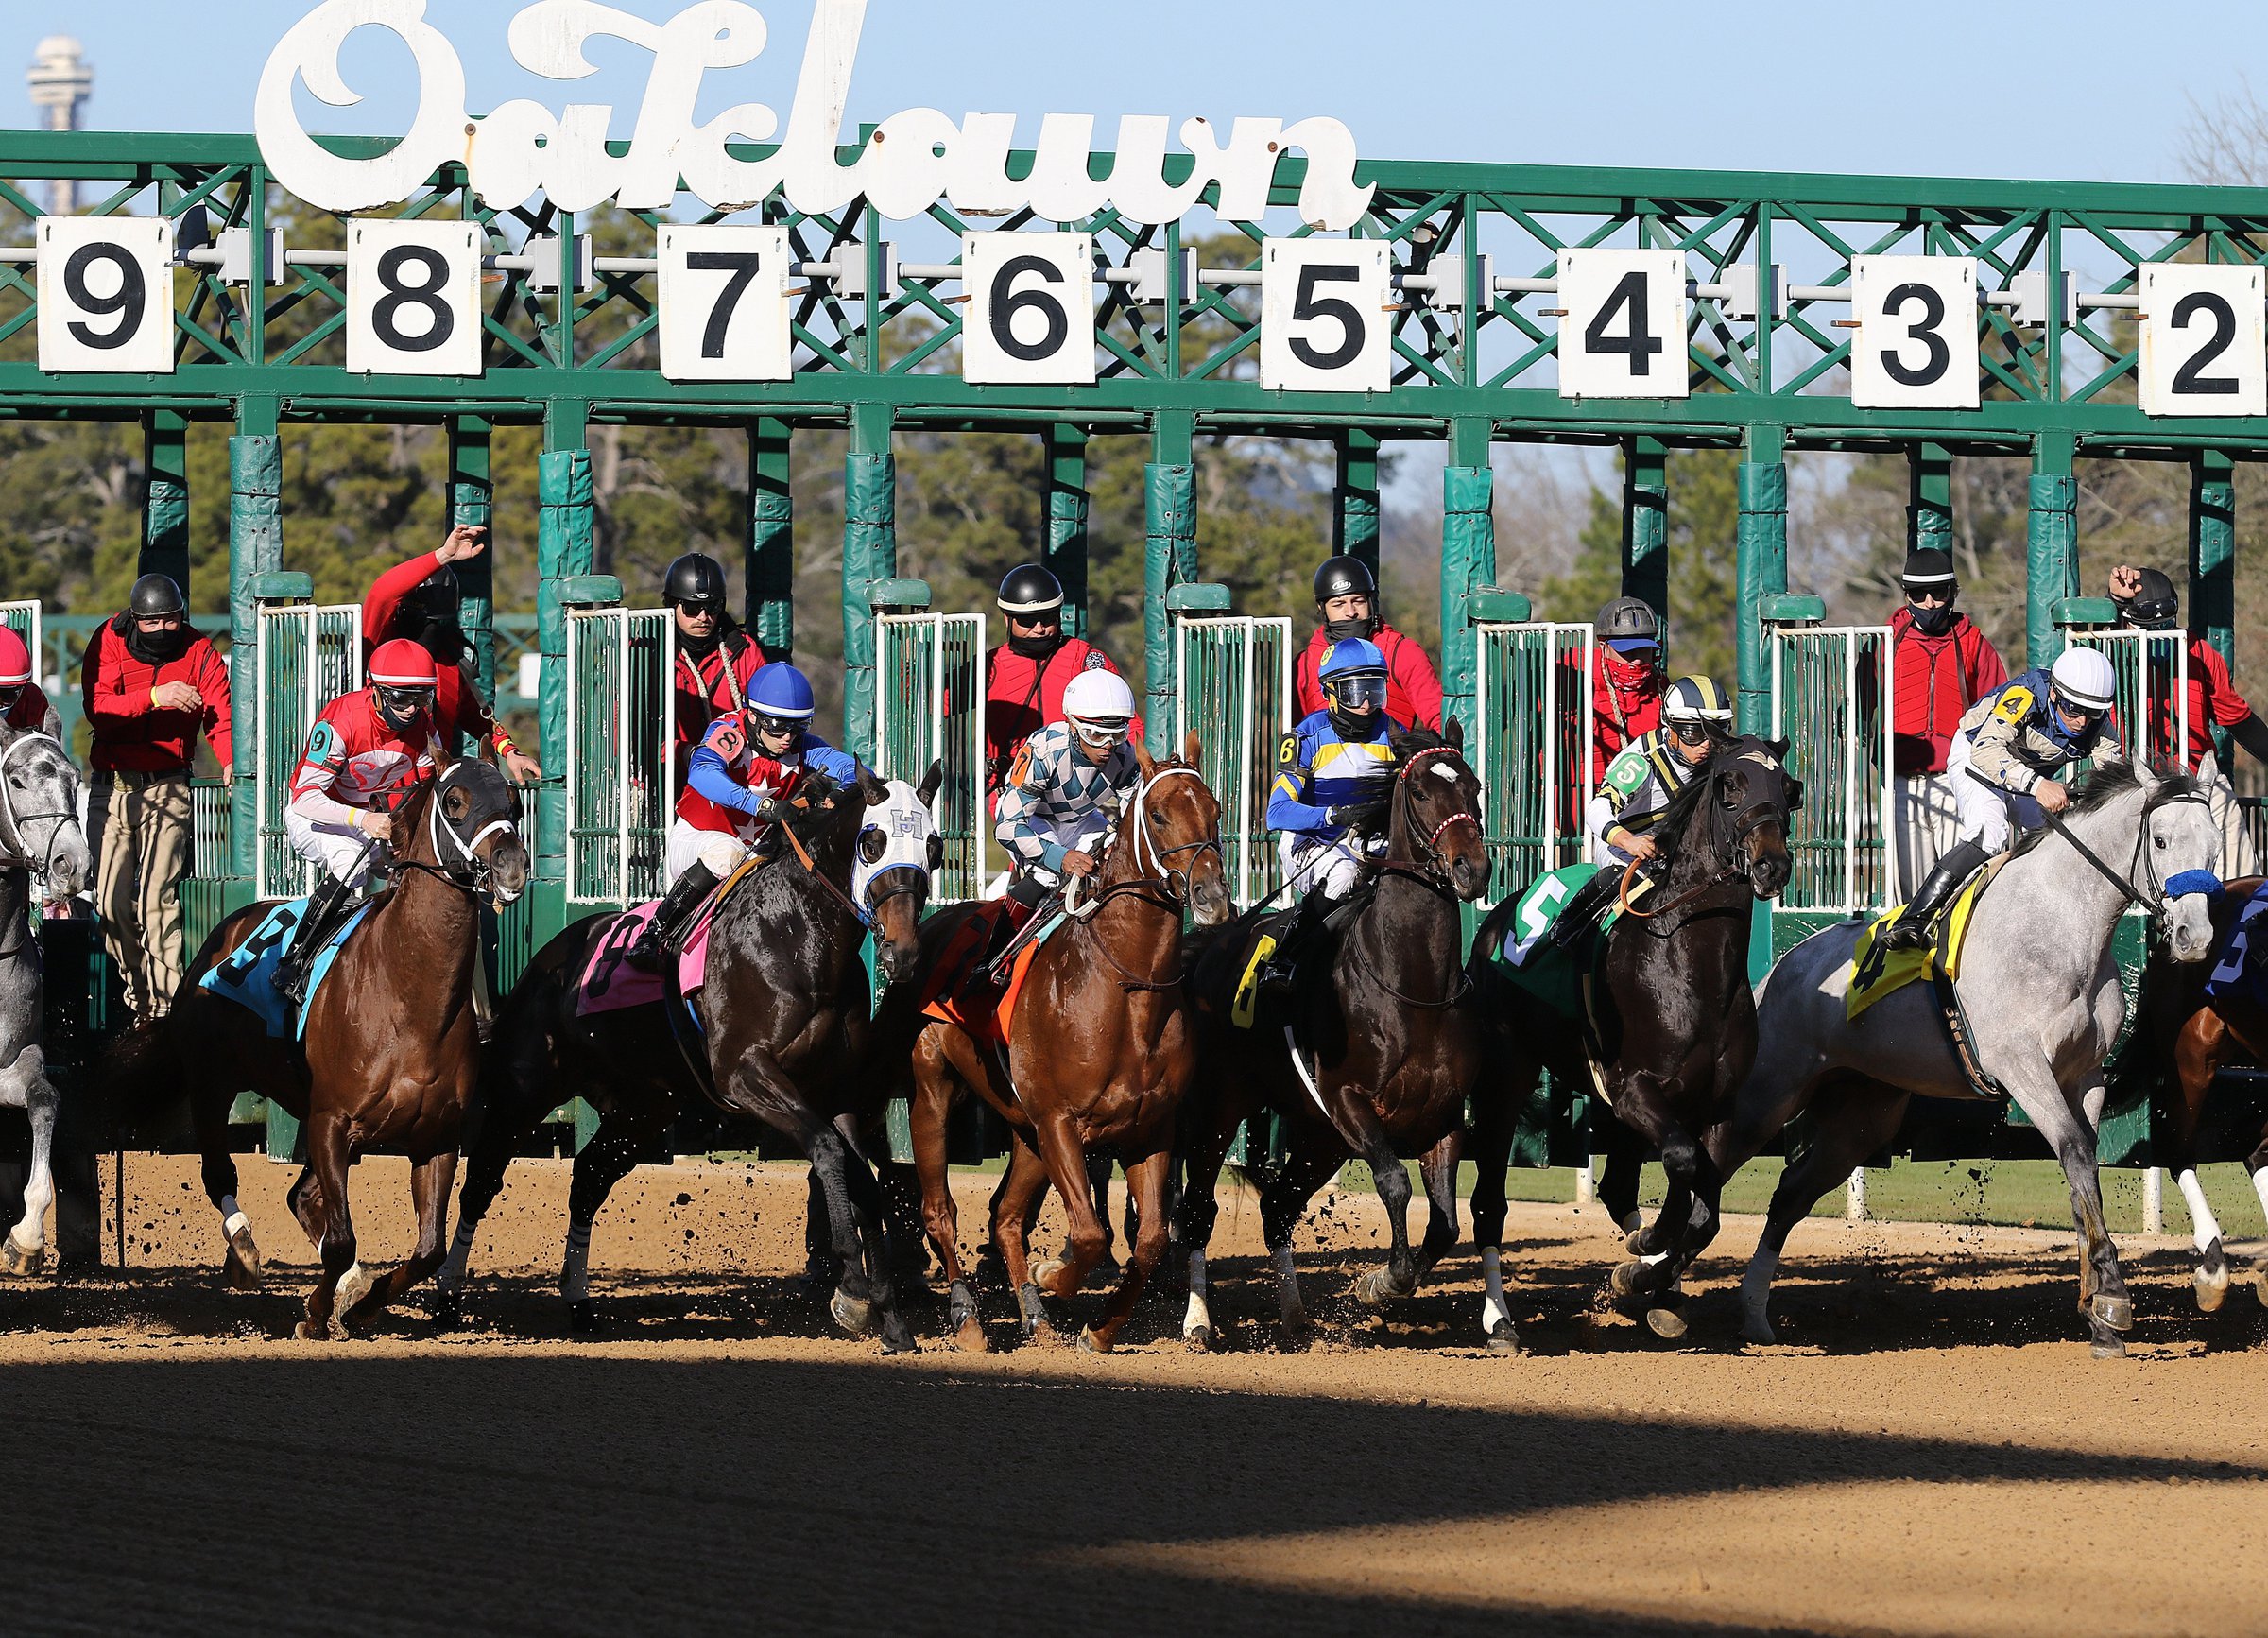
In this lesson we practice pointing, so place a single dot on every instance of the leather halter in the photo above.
(483, 872)
(1428, 875)
(42, 867)
(1177, 882)
(1744, 824)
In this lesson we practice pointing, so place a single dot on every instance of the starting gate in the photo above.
(2152, 705)
(309, 656)
(1233, 676)
(1535, 754)
(929, 706)
(1831, 700)
(621, 738)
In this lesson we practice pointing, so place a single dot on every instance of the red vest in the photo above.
(1936, 679)
(1412, 687)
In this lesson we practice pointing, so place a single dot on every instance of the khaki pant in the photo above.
(146, 828)
(1929, 820)
(2239, 856)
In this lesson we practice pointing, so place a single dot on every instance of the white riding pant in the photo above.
(2238, 857)
(1083, 835)
(1929, 821)
(1311, 862)
(1988, 814)
(690, 845)
(344, 853)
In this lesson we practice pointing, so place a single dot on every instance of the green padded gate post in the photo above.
(2213, 553)
(869, 557)
(1646, 524)
(768, 572)
(255, 548)
(1762, 536)
(1929, 498)
(1467, 559)
(1354, 501)
(564, 519)
(1169, 559)
(166, 500)
(471, 502)
(2051, 548)
(1065, 553)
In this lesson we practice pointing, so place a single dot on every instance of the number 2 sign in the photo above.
(413, 298)
(2201, 339)
(1916, 346)
(1622, 335)
(106, 294)
(1323, 323)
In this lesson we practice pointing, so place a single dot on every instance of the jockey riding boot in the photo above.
(664, 940)
(1911, 931)
(1585, 906)
(1282, 965)
(325, 906)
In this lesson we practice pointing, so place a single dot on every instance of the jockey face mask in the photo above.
(1363, 625)
(400, 708)
(1038, 647)
(1931, 620)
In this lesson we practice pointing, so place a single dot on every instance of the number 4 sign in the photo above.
(1622, 334)
(2201, 337)
(413, 298)
(1323, 321)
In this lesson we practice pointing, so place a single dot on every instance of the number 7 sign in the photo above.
(723, 295)
(1622, 334)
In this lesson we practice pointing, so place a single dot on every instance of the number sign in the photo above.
(2201, 332)
(106, 294)
(1622, 335)
(413, 298)
(1916, 339)
(1030, 315)
(723, 304)
(1323, 321)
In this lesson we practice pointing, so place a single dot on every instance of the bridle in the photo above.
(1429, 874)
(1178, 881)
(2154, 903)
(1429, 840)
(1744, 825)
(44, 866)
(482, 877)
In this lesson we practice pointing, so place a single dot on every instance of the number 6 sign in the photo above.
(413, 298)
(1323, 325)
(1916, 346)
(2201, 337)
(1031, 308)
(106, 295)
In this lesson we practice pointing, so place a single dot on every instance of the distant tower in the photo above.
(59, 78)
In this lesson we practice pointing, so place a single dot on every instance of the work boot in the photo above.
(1911, 931)
(326, 905)
(1281, 969)
(664, 940)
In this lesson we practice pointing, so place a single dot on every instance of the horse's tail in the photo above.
(142, 1075)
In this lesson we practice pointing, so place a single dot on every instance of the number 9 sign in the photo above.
(106, 295)
(2201, 339)
(1030, 316)
(1916, 345)
(1323, 321)
(413, 298)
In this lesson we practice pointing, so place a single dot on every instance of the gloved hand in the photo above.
(1360, 816)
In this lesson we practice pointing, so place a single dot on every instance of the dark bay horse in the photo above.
(1394, 1045)
(1677, 1027)
(783, 1015)
(391, 1052)
(1098, 1056)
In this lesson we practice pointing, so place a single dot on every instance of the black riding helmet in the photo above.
(1345, 576)
(1928, 572)
(2154, 606)
(156, 598)
(1034, 596)
(696, 581)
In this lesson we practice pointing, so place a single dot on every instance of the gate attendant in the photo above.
(1025, 677)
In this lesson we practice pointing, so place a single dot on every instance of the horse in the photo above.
(1098, 1055)
(40, 836)
(2039, 986)
(1395, 1047)
(390, 1050)
(778, 1032)
(1675, 1035)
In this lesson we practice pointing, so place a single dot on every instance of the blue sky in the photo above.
(2013, 88)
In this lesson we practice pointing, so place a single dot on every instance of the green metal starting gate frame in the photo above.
(1475, 255)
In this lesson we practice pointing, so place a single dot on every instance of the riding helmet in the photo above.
(1029, 590)
(401, 663)
(1099, 705)
(1695, 699)
(2085, 678)
(1929, 568)
(2154, 606)
(696, 581)
(1353, 675)
(155, 596)
(1343, 577)
(781, 691)
(1629, 626)
(15, 660)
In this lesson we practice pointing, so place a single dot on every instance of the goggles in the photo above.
(1363, 691)
(2070, 707)
(1696, 732)
(778, 726)
(1100, 730)
(400, 704)
(10, 693)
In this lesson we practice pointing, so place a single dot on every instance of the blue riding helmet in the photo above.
(1353, 654)
(1353, 675)
(780, 694)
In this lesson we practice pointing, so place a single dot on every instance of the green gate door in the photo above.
(929, 701)
(309, 656)
(621, 788)
(1233, 676)
(1533, 749)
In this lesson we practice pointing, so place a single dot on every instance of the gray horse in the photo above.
(2041, 992)
(39, 836)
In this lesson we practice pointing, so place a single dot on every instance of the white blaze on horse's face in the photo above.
(2184, 836)
(905, 825)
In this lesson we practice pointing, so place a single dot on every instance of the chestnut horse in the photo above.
(1393, 1044)
(390, 1054)
(783, 1015)
(1098, 1055)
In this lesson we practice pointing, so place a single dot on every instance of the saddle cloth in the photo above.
(1876, 973)
(2240, 973)
(246, 974)
(1553, 971)
(958, 991)
(610, 984)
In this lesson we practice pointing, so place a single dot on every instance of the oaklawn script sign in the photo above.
(913, 159)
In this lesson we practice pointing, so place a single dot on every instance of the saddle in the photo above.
(1877, 972)
(246, 974)
(973, 988)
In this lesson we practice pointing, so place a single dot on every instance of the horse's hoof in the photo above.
(1623, 1281)
(1634, 1242)
(1197, 1340)
(897, 1336)
(854, 1317)
(354, 1285)
(1296, 1333)
(2212, 1288)
(448, 1310)
(1377, 1288)
(1092, 1343)
(1504, 1340)
(308, 1331)
(244, 1253)
(2260, 1285)
(2108, 1345)
(2115, 1312)
(971, 1338)
(1757, 1329)
(18, 1264)
(582, 1318)
(1667, 1323)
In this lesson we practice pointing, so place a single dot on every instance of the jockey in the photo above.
(1067, 786)
(23, 705)
(1627, 680)
(1025, 677)
(717, 661)
(1346, 598)
(1640, 783)
(365, 753)
(747, 765)
(1335, 782)
(2018, 738)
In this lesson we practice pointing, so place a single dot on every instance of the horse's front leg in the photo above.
(429, 1182)
(1644, 1102)
(326, 1216)
(23, 1251)
(1439, 1169)
(2102, 1287)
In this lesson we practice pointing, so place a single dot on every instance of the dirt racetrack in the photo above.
(1932, 1451)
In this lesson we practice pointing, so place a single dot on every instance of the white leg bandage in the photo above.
(2203, 1228)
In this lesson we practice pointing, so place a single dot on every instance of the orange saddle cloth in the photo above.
(961, 992)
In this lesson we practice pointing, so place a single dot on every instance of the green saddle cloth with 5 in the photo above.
(1531, 951)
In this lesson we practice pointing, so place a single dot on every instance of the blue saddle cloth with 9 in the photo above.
(246, 974)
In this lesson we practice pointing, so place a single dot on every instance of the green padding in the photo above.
(1169, 559)
(1199, 598)
(771, 571)
(2085, 612)
(1468, 564)
(1792, 607)
(283, 586)
(591, 592)
(564, 525)
(1498, 606)
(2051, 560)
(913, 596)
(255, 548)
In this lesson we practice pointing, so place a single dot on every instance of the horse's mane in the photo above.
(1417, 738)
(1671, 828)
(2105, 784)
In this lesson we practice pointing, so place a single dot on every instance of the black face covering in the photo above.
(442, 639)
(1933, 622)
(157, 647)
(1039, 647)
(1347, 631)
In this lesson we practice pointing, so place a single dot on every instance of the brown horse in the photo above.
(390, 1055)
(1393, 1045)
(2199, 1038)
(1098, 1055)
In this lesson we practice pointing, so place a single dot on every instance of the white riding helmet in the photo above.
(2085, 678)
(1099, 706)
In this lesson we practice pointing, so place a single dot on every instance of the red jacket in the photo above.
(354, 760)
(710, 687)
(32, 713)
(2213, 702)
(1936, 679)
(1023, 696)
(130, 733)
(1412, 687)
(1626, 702)
(456, 707)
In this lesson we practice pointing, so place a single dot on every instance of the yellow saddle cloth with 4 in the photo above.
(1876, 973)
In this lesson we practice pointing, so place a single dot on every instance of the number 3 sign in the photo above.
(1916, 346)
(413, 298)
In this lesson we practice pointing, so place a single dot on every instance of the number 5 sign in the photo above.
(413, 298)
(2201, 335)
(1031, 308)
(106, 294)
(1622, 335)
(1916, 346)
(1323, 324)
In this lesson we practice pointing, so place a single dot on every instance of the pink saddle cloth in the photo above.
(610, 983)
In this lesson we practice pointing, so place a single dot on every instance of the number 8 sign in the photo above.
(2201, 339)
(106, 295)
(413, 298)
(1323, 324)
(1031, 309)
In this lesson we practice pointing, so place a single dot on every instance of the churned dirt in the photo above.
(1930, 1449)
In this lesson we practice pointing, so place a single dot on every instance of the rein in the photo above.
(2139, 864)
(1427, 875)
(804, 858)
(1744, 824)
(484, 874)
